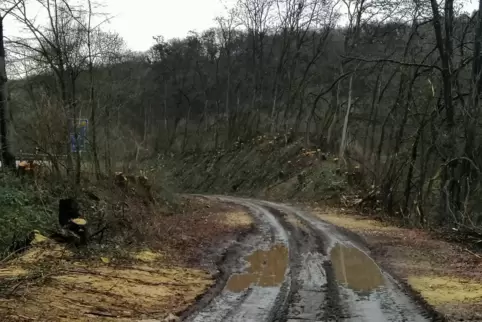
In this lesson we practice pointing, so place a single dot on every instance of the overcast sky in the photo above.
(169, 18)
(137, 21)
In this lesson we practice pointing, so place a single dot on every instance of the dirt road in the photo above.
(299, 268)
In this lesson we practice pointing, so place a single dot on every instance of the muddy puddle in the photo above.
(355, 270)
(266, 268)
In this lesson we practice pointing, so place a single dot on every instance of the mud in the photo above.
(266, 268)
(300, 268)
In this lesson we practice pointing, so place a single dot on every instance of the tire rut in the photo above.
(255, 303)
(314, 295)
(359, 298)
(329, 276)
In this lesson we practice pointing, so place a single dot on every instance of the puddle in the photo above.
(354, 269)
(267, 268)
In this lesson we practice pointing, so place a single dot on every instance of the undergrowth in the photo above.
(116, 217)
(23, 208)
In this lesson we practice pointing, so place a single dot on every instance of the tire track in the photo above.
(256, 303)
(386, 302)
(313, 296)
(330, 276)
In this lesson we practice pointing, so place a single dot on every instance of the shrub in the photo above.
(21, 211)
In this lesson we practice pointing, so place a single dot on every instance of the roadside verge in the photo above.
(51, 281)
(446, 275)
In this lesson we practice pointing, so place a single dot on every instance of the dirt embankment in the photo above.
(446, 275)
(164, 275)
(268, 167)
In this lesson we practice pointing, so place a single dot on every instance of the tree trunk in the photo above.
(448, 205)
(345, 124)
(93, 120)
(367, 153)
(227, 112)
(7, 158)
(273, 109)
(408, 181)
(188, 117)
(76, 120)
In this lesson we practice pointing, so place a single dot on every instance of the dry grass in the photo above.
(355, 223)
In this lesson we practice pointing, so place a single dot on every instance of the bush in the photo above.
(21, 211)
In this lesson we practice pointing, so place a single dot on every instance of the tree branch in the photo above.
(392, 61)
(15, 5)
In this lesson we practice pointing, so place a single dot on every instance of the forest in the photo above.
(389, 87)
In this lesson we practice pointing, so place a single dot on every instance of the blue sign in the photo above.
(81, 128)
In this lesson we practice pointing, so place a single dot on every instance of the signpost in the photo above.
(81, 127)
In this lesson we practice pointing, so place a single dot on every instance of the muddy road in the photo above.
(299, 268)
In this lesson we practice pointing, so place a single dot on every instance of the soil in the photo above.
(51, 282)
(447, 276)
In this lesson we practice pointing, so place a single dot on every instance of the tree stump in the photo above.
(73, 227)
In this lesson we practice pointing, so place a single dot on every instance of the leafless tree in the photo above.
(7, 158)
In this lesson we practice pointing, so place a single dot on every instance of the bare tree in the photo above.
(60, 46)
(7, 158)
(93, 54)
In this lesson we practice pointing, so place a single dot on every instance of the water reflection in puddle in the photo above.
(355, 269)
(266, 268)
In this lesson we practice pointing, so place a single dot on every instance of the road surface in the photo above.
(300, 268)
